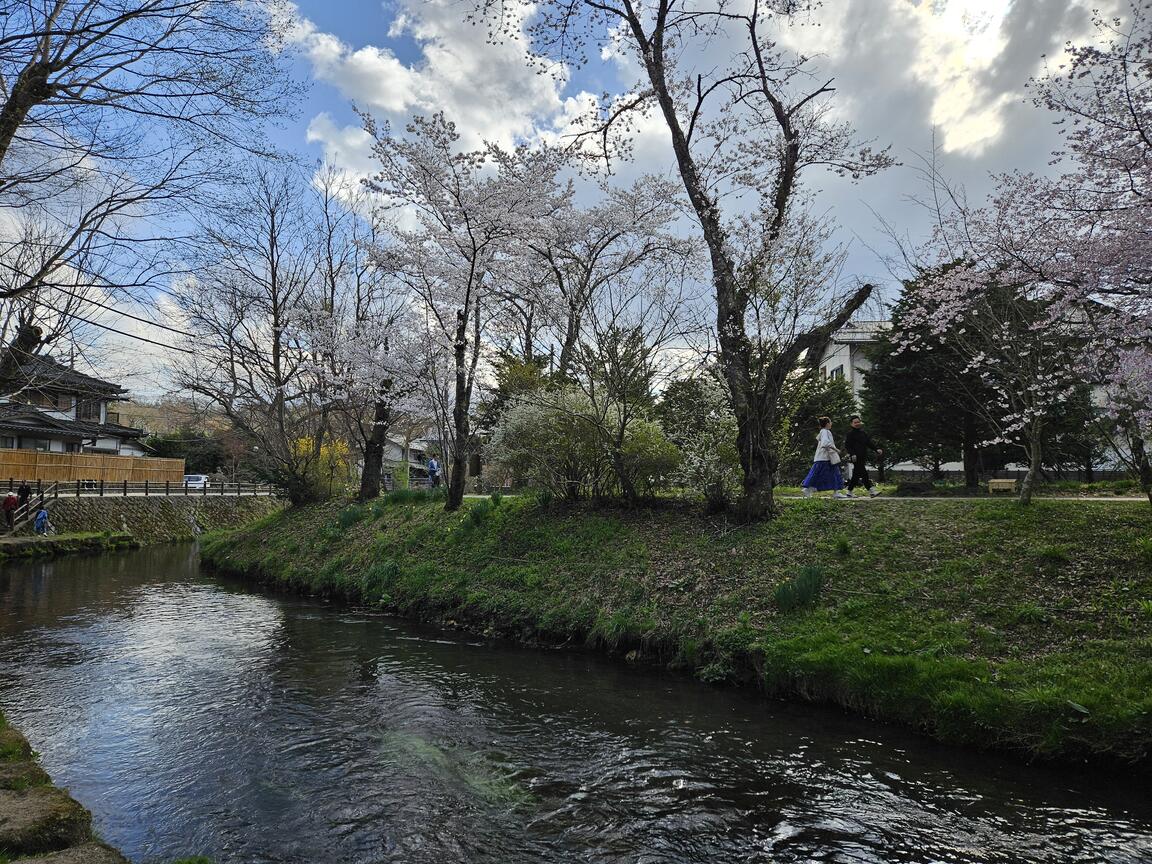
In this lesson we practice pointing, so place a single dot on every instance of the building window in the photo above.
(88, 410)
(837, 374)
(71, 447)
(41, 444)
(823, 372)
(7, 442)
(51, 401)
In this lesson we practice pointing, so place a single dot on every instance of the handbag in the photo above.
(834, 456)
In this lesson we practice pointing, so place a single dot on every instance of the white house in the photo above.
(843, 355)
(55, 409)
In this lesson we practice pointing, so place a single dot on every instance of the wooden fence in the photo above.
(35, 465)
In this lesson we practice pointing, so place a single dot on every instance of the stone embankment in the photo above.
(36, 818)
(159, 519)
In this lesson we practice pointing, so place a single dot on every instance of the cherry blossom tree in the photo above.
(356, 325)
(456, 215)
(1023, 357)
(745, 134)
(1080, 242)
(577, 253)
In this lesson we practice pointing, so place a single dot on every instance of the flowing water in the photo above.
(194, 715)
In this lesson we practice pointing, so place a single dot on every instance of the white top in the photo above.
(825, 445)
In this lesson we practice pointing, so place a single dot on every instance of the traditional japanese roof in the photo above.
(42, 372)
(25, 419)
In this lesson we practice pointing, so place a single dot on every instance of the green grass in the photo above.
(975, 621)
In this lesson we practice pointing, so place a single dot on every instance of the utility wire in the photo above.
(84, 299)
(118, 332)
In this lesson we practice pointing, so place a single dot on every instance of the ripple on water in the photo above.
(194, 715)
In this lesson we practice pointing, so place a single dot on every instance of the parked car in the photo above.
(196, 481)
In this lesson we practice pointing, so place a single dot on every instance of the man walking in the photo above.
(858, 442)
(434, 472)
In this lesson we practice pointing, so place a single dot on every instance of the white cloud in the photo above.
(488, 90)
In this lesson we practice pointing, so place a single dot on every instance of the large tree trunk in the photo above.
(374, 449)
(1142, 463)
(759, 458)
(460, 429)
(971, 454)
(1034, 453)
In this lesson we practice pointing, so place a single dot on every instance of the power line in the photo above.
(84, 299)
(118, 332)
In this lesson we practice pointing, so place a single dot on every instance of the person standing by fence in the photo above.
(10, 505)
(434, 473)
(24, 493)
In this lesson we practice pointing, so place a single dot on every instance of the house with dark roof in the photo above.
(52, 408)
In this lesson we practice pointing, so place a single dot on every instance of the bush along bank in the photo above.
(977, 622)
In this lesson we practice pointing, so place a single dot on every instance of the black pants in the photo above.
(860, 475)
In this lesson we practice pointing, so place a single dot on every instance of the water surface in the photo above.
(193, 715)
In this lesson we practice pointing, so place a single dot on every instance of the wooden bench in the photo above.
(1001, 486)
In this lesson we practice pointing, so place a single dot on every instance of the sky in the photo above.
(908, 73)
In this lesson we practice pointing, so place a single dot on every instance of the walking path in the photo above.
(968, 498)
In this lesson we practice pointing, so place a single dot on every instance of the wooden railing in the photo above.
(125, 489)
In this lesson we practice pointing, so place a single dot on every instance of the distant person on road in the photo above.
(825, 474)
(434, 473)
(42, 525)
(858, 442)
(10, 505)
(23, 493)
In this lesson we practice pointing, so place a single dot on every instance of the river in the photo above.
(197, 715)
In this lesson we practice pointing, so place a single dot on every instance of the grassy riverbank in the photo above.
(89, 543)
(977, 622)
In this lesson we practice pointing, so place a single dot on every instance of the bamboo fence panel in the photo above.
(56, 467)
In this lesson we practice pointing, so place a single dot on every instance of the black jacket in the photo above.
(858, 443)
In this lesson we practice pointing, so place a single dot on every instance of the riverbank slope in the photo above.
(976, 622)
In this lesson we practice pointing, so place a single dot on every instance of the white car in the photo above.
(196, 481)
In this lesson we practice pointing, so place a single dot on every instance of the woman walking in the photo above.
(825, 473)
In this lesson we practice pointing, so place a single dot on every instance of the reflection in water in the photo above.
(195, 715)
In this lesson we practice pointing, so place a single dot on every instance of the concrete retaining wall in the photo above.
(158, 520)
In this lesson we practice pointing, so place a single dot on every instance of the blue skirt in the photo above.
(824, 476)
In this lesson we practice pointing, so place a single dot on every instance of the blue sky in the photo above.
(909, 72)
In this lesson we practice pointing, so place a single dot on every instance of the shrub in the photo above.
(552, 446)
(801, 591)
(561, 444)
(705, 430)
(649, 458)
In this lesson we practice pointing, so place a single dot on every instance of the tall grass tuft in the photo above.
(479, 512)
(801, 591)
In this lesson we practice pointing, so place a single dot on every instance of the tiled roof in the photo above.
(17, 417)
(43, 372)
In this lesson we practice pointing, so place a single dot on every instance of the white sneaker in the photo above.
(807, 491)
(872, 493)
(840, 495)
